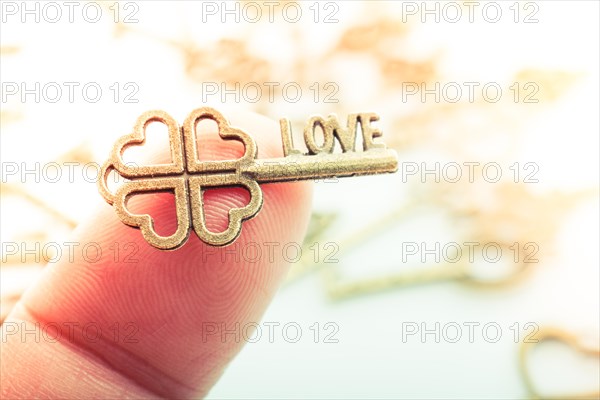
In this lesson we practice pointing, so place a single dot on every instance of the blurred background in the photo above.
(491, 106)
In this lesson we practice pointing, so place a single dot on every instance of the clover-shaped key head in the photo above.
(187, 177)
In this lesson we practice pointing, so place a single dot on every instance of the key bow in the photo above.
(186, 176)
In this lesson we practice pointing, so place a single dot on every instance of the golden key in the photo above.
(460, 272)
(546, 334)
(187, 176)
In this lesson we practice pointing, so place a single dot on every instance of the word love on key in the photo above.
(188, 177)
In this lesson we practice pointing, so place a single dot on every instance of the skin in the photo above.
(160, 318)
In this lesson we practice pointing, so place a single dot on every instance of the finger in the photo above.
(121, 318)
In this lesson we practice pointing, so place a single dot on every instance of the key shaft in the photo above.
(407, 279)
(296, 167)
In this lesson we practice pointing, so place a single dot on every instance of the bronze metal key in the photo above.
(187, 176)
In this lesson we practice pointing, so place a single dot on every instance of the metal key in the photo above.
(187, 176)
(444, 272)
(440, 273)
(577, 343)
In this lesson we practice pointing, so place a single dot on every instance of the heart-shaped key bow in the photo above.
(187, 177)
